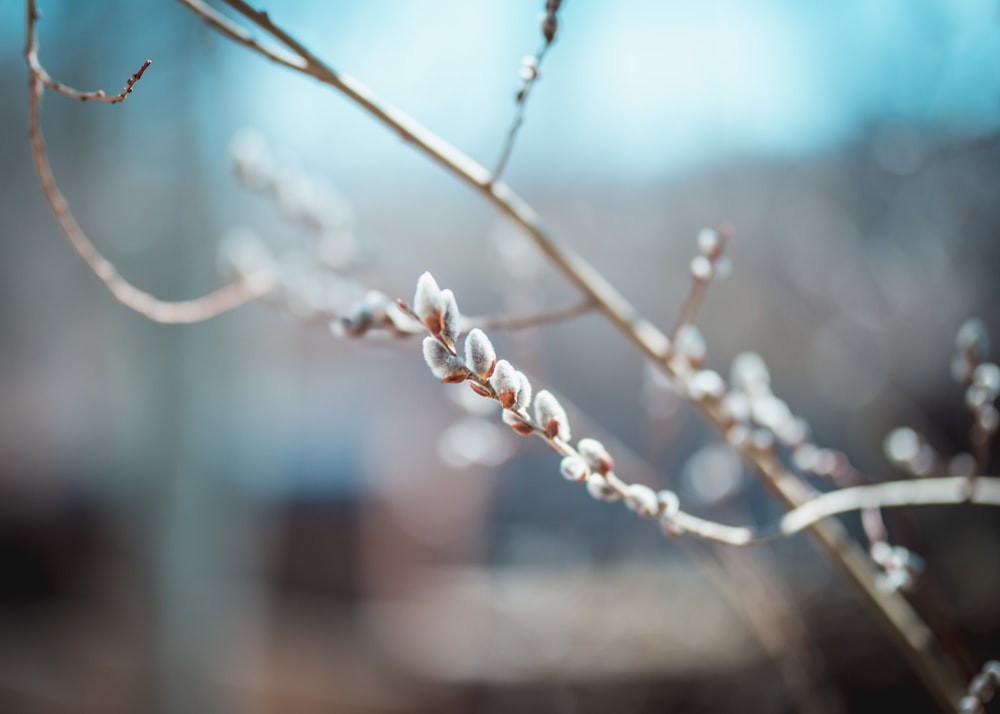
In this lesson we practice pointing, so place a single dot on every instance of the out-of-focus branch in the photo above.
(521, 322)
(712, 247)
(530, 72)
(893, 494)
(185, 311)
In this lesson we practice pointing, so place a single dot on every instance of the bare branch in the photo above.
(186, 311)
(521, 322)
(530, 72)
(893, 494)
(38, 71)
(240, 36)
(710, 256)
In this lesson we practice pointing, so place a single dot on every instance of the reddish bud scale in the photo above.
(434, 323)
(457, 377)
(507, 399)
(480, 390)
(521, 428)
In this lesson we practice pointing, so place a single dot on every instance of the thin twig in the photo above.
(909, 631)
(699, 283)
(521, 322)
(521, 102)
(892, 494)
(186, 311)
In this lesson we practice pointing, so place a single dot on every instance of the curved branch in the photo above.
(186, 311)
(892, 494)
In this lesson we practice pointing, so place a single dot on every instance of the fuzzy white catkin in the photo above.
(523, 400)
(972, 337)
(706, 384)
(691, 343)
(427, 298)
(599, 488)
(708, 242)
(748, 373)
(450, 317)
(479, 353)
(642, 499)
(701, 268)
(505, 383)
(596, 455)
(573, 468)
(551, 416)
(442, 363)
(987, 377)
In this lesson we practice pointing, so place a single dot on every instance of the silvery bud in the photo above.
(479, 354)
(599, 488)
(427, 303)
(450, 318)
(691, 344)
(551, 416)
(523, 392)
(596, 455)
(505, 383)
(444, 365)
(573, 468)
(643, 500)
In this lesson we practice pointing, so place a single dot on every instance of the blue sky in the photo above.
(631, 89)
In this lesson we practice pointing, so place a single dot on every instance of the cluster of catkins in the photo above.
(524, 411)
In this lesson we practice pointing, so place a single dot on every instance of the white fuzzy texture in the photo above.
(691, 343)
(599, 488)
(451, 317)
(708, 242)
(551, 416)
(643, 500)
(523, 392)
(748, 373)
(479, 353)
(505, 381)
(427, 298)
(442, 363)
(706, 384)
(573, 468)
(595, 454)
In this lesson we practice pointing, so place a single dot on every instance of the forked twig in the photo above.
(185, 311)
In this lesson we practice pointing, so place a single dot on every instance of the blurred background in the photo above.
(252, 515)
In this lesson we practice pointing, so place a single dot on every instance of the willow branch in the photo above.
(893, 494)
(912, 635)
(521, 102)
(699, 283)
(185, 311)
(521, 322)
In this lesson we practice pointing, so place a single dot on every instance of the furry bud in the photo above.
(444, 365)
(573, 468)
(596, 455)
(505, 383)
(479, 354)
(551, 416)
